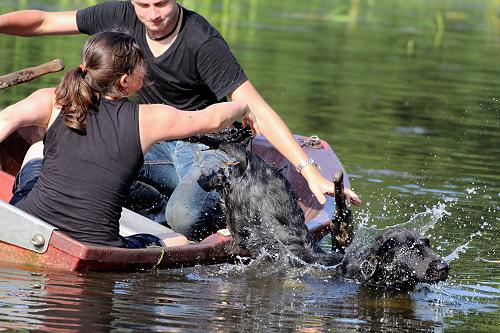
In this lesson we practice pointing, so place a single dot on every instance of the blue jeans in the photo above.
(25, 180)
(167, 191)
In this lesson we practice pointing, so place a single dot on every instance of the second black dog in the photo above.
(261, 210)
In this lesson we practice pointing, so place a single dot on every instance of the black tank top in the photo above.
(86, 177)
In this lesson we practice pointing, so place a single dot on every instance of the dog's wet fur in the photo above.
(399, 259)
(261, 210)
(264, 217)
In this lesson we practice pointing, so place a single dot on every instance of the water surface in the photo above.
(407, 95)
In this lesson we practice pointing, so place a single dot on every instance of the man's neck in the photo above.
(157, 48)
(169, 30)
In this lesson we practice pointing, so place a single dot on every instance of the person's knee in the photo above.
(26, 179)
(195, 217)
(181, 218)
(147, 201)
(34, 152)
(141, 196)
(161, 151)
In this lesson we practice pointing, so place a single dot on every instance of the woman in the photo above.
(96, 138)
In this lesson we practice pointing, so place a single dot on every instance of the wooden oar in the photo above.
(28, 74)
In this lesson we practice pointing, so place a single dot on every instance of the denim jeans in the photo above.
(141, 241)
(167, 190)
(26, 178)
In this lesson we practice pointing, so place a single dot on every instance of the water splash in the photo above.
(455, 253)
(282, 264)
(422, 222)
(464, 247)
(426, 220)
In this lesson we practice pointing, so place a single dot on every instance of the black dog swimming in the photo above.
(263, 215)
(399, 259)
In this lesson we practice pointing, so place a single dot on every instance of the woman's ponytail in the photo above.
(106, 57)
(76, 98)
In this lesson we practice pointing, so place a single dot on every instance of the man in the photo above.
(190, 66)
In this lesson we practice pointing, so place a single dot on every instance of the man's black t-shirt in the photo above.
(197, 70)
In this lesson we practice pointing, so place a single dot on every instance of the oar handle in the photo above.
(28, 74)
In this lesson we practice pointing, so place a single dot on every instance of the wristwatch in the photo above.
(305, 163)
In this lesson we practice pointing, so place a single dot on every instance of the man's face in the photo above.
(157, 15)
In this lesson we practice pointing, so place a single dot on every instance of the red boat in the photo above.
(26, 240)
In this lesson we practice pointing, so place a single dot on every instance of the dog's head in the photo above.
(400, 259)
(233, 168)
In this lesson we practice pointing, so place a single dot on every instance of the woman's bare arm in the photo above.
(159, 122)
(36, 109)
(270, 125)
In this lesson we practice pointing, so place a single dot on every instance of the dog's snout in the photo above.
(438, 270)
(442, 265)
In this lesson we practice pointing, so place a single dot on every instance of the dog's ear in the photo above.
(368, 267)
(238, 152)
(213, 181)
(385, 242)
(222, 178)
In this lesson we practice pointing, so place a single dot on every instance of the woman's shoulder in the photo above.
(121, 108)
(45, 96)
(49, 92)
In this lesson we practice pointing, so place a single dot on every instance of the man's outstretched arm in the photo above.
(36, 22)
(270, 124)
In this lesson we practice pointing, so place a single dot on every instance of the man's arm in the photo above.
(35, 22)
(270, 125)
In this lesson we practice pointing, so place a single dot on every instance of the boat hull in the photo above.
(65, 253)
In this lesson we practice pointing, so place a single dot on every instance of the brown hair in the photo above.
(106, 57)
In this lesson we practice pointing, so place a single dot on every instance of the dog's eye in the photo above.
(416, 247)
(426, 242)
(419, 251)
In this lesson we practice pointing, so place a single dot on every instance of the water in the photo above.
(405, 92)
